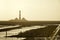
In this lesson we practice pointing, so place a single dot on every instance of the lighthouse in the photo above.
(19, 14)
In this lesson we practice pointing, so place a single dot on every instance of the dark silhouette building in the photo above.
(19, 14)
(19, 18)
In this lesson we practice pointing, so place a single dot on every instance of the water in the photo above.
(16, 31)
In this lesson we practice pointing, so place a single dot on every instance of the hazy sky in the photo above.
(31, 9)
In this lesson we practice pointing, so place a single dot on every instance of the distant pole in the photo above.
(6, 33)
(19, 14)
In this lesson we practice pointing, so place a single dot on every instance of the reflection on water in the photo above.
(16, 31)
(3, 38)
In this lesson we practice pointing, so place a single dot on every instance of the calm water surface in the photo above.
(16, 31)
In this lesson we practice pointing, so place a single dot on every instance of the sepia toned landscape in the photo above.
(29, 19)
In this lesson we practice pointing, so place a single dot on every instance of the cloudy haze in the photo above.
(31, 9)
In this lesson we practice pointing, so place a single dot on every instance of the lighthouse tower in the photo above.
(19, 14)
